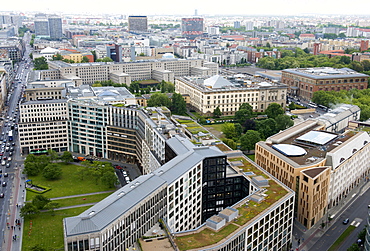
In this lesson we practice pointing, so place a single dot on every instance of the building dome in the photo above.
(168, 55)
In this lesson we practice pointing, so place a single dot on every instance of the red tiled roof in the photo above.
(307, 35)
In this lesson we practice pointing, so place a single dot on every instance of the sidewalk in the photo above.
(309, 237)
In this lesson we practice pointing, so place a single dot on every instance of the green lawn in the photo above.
(342, 238)
(81, 200)
(47, 230)
(251, 156)
(68, 184)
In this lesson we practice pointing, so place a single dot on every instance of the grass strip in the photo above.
(81, 200)
(342, 238)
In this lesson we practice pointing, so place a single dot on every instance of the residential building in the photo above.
(192, 27)
(12, 49)
(303, 82)
(320, 166)
(364, 45)
(206, 94)
(3, 89)
(138, 24)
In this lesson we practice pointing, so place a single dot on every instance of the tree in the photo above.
(159, 99)
(283, 122)
(292, 106)
(228, 129)
(217, 112)
(57, 57)
(354, 247)
(53, 155)
(109, 179)
(85, 59)
(40, 63)
(231, 143)
(39, 201)
(31, 55)
(245, 112)
(249, 124)
(51, 206)
(66, 157)
(178, 104)
(266, 127)
(238, 130)
(249, 140)
(274, 110)
(106, 59)
(81, 171)
(28, 209)
(52, 172)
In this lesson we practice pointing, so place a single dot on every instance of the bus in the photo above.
(10, 135)
(39, 152)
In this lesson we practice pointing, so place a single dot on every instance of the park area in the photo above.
(44, 230)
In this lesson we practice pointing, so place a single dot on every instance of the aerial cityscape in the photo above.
(211, 126)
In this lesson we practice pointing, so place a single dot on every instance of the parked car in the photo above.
(345, 222)
(3, 163)
(1, 195)
(6, 175)
(4, 184)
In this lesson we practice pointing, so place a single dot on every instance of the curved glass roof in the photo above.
(289, 150)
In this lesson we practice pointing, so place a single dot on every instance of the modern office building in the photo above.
(125, 72)
(55, 27)
(43, 125)
(184, 186)
(320, 166)
(138, 24)
(48, 26)
(208, 93)
(192, 27)
(303, 82)
(42, 26)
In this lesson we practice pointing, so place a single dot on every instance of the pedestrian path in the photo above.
(81, 195)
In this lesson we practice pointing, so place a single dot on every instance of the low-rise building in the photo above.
(320, 166)
(206, 94)
(304, 82)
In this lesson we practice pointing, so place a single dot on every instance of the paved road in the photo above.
(354, 207)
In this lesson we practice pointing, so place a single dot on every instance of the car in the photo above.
(10, 153)
(9, 159)
(6, 175)
(13, 143)
(7, 165)
(1, 170)
(1, 153)
(3, 163)
(345, 222)
(4, 158)
(1, 195)
(3, 184)
(11, 149)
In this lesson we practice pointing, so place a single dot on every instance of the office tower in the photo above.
(138, 24)
(192, 27)
(55, 27)
(41, 25)
(236, 24)
(249, 26)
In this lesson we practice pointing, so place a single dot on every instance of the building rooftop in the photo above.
(326, 73)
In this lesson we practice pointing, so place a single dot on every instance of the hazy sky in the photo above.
(187, 7)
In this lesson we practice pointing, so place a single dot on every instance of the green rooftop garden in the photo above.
(249, 167)
(208, 237)
(204, 238)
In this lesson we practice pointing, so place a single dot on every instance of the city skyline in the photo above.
(164, 7)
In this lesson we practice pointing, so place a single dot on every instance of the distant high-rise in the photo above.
(192, 27)
(55, 27)
(249, 26)
(42, 26)
(236, 24)
(48, 26)
(196, 12)
(138, 24)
